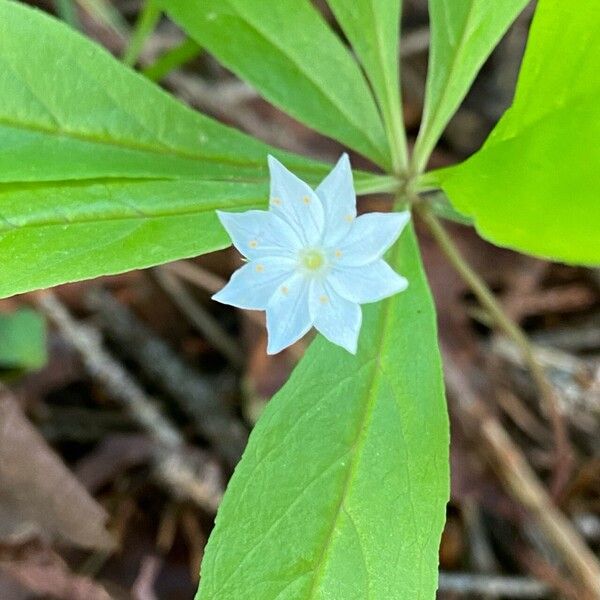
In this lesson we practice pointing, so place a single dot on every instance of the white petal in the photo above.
(369, 283)
(253, 285)
(296, 203)
(370, 237)
(338, 319)
(258, 233)
(288, 318)
(337, 193)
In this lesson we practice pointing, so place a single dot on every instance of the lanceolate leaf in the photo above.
(69, 110)
(51, 233)
(341, 492)
(101, 171)
(463, 33)
(534, 184)
(286, 50)
(373, 28)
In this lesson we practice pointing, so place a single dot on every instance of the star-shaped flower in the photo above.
(310, 260)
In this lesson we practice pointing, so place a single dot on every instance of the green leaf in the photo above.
(51, 233)
(534, 184)
(341, 492)
(101, 171)
(22, 340)
(286, 50)
(373, 28)
(463, 34)
(69, 110)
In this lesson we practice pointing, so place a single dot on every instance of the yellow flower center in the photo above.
(313, 260)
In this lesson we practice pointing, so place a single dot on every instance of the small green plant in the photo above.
(342, 490)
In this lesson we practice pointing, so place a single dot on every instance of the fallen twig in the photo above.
(493, 586)
(521, 481)
(158, 361)
(199, 317)
(193, 475)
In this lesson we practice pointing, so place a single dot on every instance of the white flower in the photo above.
(310, 260)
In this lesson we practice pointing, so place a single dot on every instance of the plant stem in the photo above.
(377, 184)
(172, 59)
(563, 455)
(147, 21)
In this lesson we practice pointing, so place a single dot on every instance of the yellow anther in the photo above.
(285, 290)
(338, 254)
(306, 200)
(276, 201)
(253, 244)
(348, 218)
(259, 268)
(323, 299)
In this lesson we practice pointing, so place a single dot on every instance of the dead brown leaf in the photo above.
(39, 496)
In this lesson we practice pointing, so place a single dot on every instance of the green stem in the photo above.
(513, 331)
(147, 21)
(172, 59)
(378, 184)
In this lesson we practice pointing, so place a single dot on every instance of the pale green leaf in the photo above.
(534, 185)
(373, 28)
(22, 340)
(286, 50)
(341, 492)
(463, 34)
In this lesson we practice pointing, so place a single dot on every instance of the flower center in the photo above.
(312, 259)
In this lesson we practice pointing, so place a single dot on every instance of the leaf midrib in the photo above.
(122, 143)
(360, 440)
(61, 220)
(434, 114)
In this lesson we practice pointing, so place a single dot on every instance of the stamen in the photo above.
(276, 201)
(323, 299)
(348, 218)
(338, 254)
(306, 200)
(259, 268)
(285, 290)
(253, 244)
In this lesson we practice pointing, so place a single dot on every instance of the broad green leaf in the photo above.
(286, 50)
(69, 110)
(22, 340)
(101, 171)
(51, 233)
(373, 28)
(534, 185)
(341, 492)
(463, 34)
